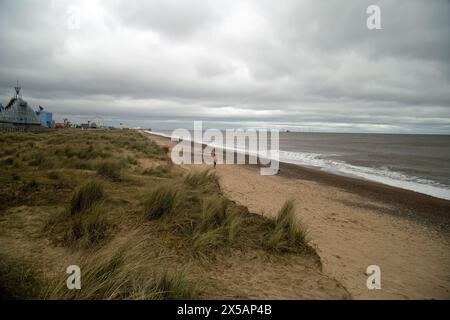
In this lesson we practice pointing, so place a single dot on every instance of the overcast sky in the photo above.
(306, 65)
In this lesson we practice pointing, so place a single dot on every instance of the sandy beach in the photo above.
(242, 158)
(354, 224)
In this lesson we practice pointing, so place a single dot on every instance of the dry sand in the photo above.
(354, 224)
(350, 232)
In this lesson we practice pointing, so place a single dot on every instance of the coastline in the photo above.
(408, 203)
(356, 223)
(320, 172)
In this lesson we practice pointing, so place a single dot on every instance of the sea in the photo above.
(419, 163)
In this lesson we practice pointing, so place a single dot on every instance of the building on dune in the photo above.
(45, 117)
(19, 115)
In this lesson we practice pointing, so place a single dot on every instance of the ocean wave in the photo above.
(382, 174)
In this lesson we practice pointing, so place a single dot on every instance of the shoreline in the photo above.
(409, 204)
(354, 224)
(397, 184)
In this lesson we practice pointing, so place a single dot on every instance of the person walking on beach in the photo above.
(214, 157)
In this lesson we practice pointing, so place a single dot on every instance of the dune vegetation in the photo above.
(138, 226)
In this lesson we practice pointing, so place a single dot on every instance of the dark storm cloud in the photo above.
(289, 64)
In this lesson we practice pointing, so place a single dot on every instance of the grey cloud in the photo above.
(177, 19)
(293, 63)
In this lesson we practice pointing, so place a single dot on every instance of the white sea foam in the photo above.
(382, 175)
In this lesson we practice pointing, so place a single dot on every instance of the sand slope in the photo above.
(351, 232)
(256, 275)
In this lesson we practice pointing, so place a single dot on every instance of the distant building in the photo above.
(45, 117)
(17, 113)
(88, 125)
